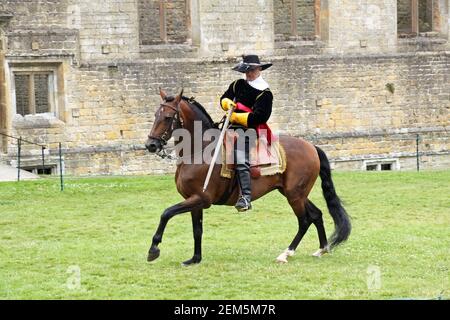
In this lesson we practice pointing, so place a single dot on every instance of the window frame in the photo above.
(395, 164)
(51, 88)
(55, 85)
(163, 26)
(293, 21)
(35, 169)
(415, 20)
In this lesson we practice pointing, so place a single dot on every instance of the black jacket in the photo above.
(259, 101)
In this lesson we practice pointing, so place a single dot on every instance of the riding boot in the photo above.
(243, 175)
(244, 178)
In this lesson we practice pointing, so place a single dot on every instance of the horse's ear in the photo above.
(178, 98)
(162, 93)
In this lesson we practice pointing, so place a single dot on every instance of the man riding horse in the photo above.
(252, 105)
(252, 101)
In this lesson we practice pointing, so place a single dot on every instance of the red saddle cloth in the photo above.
(261, 129)
(262, 155)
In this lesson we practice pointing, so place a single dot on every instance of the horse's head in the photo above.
(167, 119)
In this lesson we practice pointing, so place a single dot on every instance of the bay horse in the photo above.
(305, 162)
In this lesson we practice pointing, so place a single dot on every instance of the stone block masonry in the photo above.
(342, 104)
(360, 93)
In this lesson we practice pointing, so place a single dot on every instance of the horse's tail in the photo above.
(341, 219)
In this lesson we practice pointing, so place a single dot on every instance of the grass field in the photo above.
(101, 228)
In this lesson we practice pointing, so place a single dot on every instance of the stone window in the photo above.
(37, 88)
(419, 17)
(296, 19)
(381, 165)
(33, 93)
(47, 170)
(163, 21)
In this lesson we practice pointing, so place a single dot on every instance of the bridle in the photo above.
(175, 123)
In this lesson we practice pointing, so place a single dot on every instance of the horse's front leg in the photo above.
(190, 204)
(197, 226)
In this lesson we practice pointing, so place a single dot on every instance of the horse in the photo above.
(305, 162)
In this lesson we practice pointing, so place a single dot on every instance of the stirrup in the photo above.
(246, 206)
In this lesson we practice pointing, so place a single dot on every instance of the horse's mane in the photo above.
(203, 113)
(202, 110)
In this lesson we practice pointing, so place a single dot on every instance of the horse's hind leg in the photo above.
(197, 226)
(304, 222)
(315, 215)
(307, 214)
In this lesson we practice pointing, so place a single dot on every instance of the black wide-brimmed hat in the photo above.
(250, 62)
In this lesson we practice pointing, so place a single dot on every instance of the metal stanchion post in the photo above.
(61, 167)
(417, 152)
(43, 160)
(19, 150)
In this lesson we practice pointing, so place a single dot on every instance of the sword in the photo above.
(218, 146)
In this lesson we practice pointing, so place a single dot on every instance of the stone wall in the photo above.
(342, 104)
(361, 94)
(362, 26)
(234, 27)
(44, 42)
(108, 29)
(336, 94)
(35, 15)
(98, 30)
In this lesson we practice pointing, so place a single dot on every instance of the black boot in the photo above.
(242, 156)
(244, 178)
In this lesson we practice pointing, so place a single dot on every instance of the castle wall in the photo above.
(362, 94)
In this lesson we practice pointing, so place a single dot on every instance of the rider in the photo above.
(252, 92)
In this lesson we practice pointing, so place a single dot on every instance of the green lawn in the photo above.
(399, 247)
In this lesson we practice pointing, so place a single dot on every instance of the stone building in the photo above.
(362, 79)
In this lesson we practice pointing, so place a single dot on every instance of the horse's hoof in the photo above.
(282, 258)
(191, 262)
(319, 253)
(153, 254)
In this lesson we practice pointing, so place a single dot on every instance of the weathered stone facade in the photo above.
(345, 81)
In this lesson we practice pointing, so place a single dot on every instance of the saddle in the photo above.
(266, 159)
